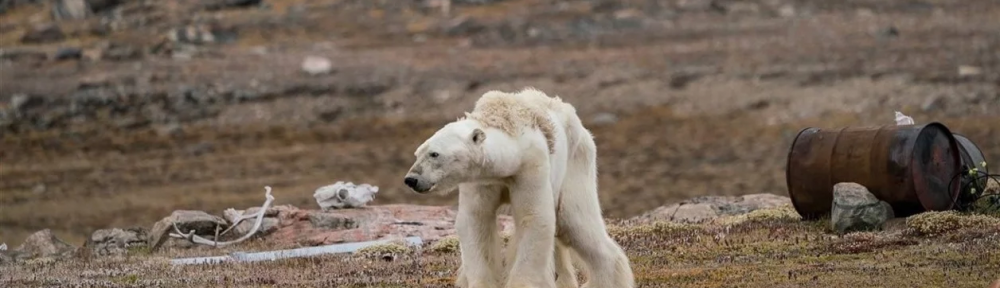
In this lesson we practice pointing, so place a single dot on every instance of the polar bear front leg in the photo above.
(535, 218)
(479, 243)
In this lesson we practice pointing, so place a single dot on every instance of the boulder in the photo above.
(186, 220)
(71, 9)
(116, 241)
(268, 224)
(43, 244)
(856, 209)
(704, 208)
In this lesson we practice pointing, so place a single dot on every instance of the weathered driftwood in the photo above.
(190, 236)
(289, 253)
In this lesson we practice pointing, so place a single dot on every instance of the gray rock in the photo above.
(202, 223)
(268, 225)
(331, 221)
(43, 244)
(192, 34)
(71, 9)
(68, 53)
(20, 102)
(116, 241)
(5, 259)
(856, 209)
(604, 119)
(43, 33)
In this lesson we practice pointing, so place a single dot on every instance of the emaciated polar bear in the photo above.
(531, 151)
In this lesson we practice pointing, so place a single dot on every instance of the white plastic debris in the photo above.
(903, 119)
(290, 253)
(344, 195)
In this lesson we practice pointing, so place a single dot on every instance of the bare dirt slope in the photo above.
(685, 98)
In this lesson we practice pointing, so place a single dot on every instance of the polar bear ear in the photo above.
(478, 136)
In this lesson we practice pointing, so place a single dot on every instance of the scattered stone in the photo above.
(966, 70)
(225, 4)
(20, 102)
(22, 54)
(604, 119)
(344, 195)
(331, 221)
(68, 53)
(888, 32)
(787, 11)
(191, 34)
(933, 103)
(463, 26)
(864, 12)
(695, 5)
(186, 220)
(742, 8)
(704, 208)
(4, 258)
(71, 9)
(856, 209)
(43, 33)
(116, 241)
(121, 52)
(43, 244)
(315, 65)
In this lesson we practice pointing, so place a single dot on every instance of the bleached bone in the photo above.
(256, 226)
(344, 195)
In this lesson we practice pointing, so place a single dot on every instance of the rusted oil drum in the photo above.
(972, 157)
(908, 166)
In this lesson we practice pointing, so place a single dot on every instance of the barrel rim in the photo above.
(788, 170)
(956, 155)
(973, 143)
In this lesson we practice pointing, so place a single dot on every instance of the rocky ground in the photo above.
(755, 240)
(117, 117)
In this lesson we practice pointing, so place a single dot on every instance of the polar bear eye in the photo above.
(435, 154)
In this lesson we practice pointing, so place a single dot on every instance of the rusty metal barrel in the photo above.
(908, 166)
(972, 157)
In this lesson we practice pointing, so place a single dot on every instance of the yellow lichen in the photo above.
(782, 213)
(658, 227)
(937, 222)
(446, 245)
(382, 250)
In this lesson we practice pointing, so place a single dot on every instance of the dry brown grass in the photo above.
(760, 253)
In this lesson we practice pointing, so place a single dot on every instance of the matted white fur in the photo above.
(531, 151)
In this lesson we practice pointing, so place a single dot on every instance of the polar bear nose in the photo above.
(410, 181)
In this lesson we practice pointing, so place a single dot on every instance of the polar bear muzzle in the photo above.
(417, 184)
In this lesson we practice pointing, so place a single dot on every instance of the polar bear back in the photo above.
(512, 112)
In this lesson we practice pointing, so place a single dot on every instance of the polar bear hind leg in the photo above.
(580, 221)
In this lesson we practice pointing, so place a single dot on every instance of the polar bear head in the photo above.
(453, 155)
